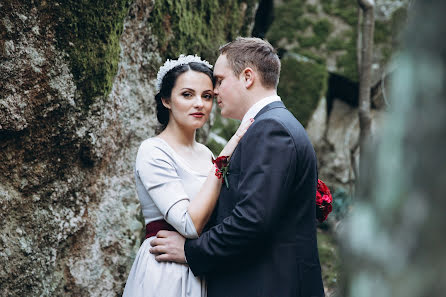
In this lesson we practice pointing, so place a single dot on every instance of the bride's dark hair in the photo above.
(167, 84)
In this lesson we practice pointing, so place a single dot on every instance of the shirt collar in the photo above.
(254, 110)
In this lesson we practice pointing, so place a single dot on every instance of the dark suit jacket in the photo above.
(263, 236)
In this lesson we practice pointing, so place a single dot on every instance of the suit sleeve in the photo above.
(268, 159)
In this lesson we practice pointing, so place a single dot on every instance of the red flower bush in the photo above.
(323, 201)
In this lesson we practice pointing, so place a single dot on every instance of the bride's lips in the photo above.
(198, 114)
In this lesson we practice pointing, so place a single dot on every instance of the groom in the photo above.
(261, 240)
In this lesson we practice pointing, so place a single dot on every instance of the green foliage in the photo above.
(185, 26)
(342, 202)
(223, 127)
(301, 86)
(89, 33)
(214, 146)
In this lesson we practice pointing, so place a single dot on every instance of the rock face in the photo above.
(76, 99)
(326, 31)
(337, 146)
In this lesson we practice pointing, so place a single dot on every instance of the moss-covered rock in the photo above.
(328, 29)
(184, 26)
(287, 22)
(302, 83)
(88, 31)
(330, 260)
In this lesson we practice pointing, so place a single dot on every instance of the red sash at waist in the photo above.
(153, 227)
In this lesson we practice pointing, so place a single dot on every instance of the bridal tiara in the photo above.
(170, 64)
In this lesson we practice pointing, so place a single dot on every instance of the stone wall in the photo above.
(76, 99)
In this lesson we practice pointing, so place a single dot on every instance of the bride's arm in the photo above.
(200, 208)
(158, 175)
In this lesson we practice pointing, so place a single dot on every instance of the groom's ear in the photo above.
(248, 77)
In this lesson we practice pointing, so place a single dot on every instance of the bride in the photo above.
(176, 180)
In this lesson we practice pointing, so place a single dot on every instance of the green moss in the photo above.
(185, 26)
(321, 31)
(309, 41)
(347, 11)
(336, 44)
(301, 86)
(387, 32)
(323, 28)
(383, 32)
(344, 9)
(288, 19)
(249, 17)
(327, 6)
(291, 24)
(347, 63)
(311, 8)
(309, 54)
(89, 31)
(329, 258)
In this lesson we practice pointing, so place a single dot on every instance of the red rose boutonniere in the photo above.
(221, 169)
(323, 201)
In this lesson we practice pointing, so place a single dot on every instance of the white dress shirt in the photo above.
(254, 110)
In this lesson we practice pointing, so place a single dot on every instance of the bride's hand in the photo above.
(235, 139)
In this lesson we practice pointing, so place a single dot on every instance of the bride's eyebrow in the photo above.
(187, 89)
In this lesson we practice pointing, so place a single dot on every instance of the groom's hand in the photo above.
(168, 246)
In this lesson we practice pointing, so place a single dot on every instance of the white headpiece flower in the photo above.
(170, 64)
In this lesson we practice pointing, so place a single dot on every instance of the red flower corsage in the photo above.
(221, 168)
(323, 201)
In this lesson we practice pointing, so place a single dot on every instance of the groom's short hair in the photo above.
(256, 53)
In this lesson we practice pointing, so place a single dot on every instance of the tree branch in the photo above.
(365, 76)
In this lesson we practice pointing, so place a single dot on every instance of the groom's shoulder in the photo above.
(281, 118)
(282, 115)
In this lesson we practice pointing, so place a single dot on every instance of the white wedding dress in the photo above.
(165, 183)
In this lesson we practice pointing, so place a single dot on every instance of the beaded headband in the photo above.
(170, 64)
